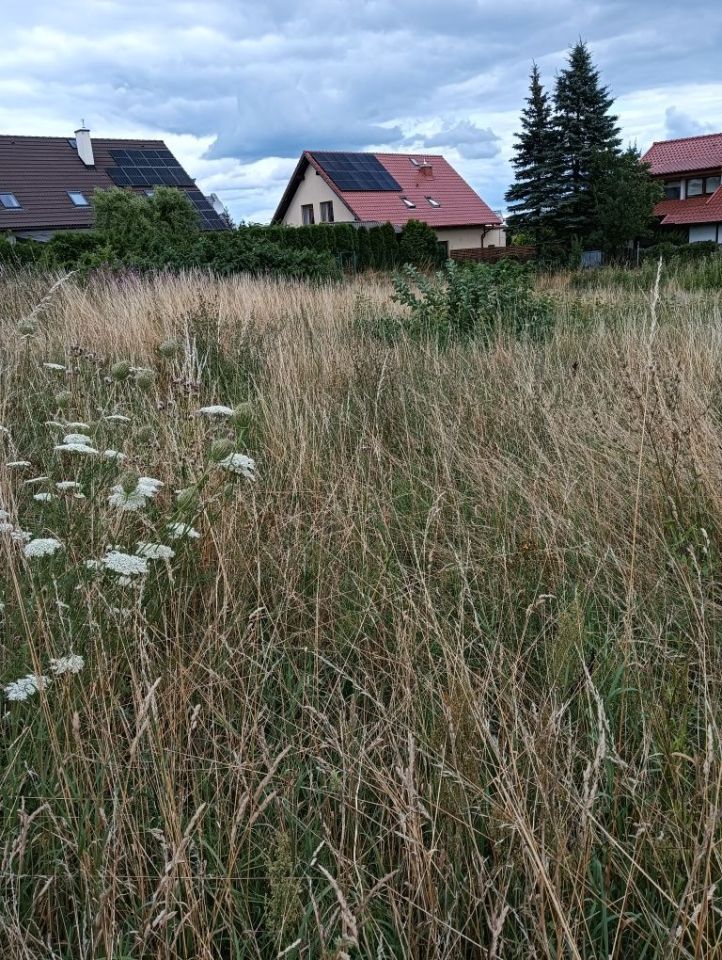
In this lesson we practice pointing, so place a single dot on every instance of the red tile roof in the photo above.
(459, 205)
(693, 210)
(689, 155)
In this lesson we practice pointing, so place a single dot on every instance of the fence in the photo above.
(493, 254)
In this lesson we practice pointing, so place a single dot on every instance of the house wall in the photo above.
(466, 238)
(705, 231)
(314, 189)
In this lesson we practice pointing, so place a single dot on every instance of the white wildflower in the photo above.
(70, 664)
(241, 464)
(176, 531)
(76, 438)
(43, 497)
(148, 486)
(67, 485)
(27, 483)
(215, 411)
(4, 515)
(21, 536)
(125, 564)
(77, 425)
(54, 366)
(42, 547)
(113, 455)
(93, 564)
(155, 551)
(6, 527)
(117, 418)
(26, 686)
(18, 463)
(75, 448)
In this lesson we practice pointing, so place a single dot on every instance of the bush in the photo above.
(463, 301)
(419, 245)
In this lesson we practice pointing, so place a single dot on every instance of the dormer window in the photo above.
(712, 184)
(432, 202)
(9, 201)
(673, 190)
(408, 203)
(78, 199)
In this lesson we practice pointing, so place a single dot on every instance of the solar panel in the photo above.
(356, 171)
(147, 168)
(208, 216)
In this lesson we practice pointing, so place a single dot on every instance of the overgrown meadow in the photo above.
(317, 644)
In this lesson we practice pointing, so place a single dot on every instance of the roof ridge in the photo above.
(698, 136)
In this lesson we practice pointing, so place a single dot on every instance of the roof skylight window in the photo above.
(9, 201)
(408, 203)
(79, 199)
(432, 202)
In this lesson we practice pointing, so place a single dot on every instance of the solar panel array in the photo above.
(159, 168)
(147, 168)
(356, 171)
(209, 218)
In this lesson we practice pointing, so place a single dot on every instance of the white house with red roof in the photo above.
(691, 171)
(373, 188)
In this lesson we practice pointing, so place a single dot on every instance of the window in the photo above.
(408, 203)
(150, 193)
(416, 163)
(712, 184)
(695, 188)
(327, 211)
(432, 202)
(79, 199)
(9, 201)
(307, 214)
(673, 190)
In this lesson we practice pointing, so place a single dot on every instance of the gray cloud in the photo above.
(471, 141)
(681, 124)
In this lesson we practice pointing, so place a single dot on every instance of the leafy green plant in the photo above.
(471, 300)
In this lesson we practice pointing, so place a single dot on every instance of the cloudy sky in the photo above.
(238, 88)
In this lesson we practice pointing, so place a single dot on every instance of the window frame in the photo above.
(77, 193)
(691, 180)
(433, 202)
(408, 203)
(327, 212)
(10, 206)
(673, 185)
(308, 218)
(714, 177)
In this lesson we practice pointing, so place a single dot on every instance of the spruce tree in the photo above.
(587, 136)
(535, 160)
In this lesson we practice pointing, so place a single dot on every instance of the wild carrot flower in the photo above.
(20, 536)
(42, 547)
(70, 664)
(67, 485)
(217, 410)
(241, 464)
(177, 531)
(33, 480)
(125, 564)
(116, 418)
(113, 455)
(18, 463)
(136, 498)
(54, 366)
(75, 447)
(26, 686)
(155, 551)
(43, 497)
(76, 438)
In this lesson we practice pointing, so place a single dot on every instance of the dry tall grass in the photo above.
(445, 682)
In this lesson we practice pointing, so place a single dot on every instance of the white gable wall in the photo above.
(314, 189)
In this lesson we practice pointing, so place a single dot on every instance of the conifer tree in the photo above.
(531, 196)
(587, 137)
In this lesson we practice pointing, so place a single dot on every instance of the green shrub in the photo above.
(470, 300)
(419, 245)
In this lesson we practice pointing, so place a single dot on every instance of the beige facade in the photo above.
(466, 238)
(314, 190)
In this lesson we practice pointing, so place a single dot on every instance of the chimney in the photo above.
(426, 169)
(85, 145)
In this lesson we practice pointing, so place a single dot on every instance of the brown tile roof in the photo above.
(688, 155)
(707, 209)
(40, 171)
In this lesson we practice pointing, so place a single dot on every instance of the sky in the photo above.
(239, 88)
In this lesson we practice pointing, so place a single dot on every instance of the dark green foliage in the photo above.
(469, 300)
(419, 245)
(623, 195)
(586, 135)
(530, 197)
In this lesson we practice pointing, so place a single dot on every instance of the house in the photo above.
(690, 170)
(47, 183)
(367, 189)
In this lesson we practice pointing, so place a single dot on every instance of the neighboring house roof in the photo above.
(458, 204)
(707, 209)
(688, 155)
(40, 171)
